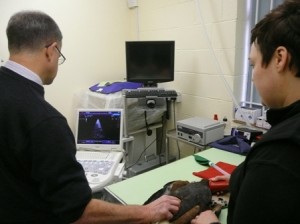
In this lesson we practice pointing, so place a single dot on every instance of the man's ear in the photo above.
(50, 51)
(282, 58)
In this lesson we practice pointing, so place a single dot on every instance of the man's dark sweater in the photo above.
(40, 179)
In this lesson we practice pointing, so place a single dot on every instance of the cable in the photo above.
(178, 150)
(174, 114)
(147, 146)
(161, 137)
(220, 73)
(174, 127)
(140, 155)
(174, 122)
(149, 131)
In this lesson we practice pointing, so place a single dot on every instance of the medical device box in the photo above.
(200, 130)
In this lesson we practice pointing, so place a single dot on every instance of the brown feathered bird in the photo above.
(195, 197)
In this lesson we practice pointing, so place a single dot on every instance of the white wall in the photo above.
(197, 77)
(94, 32)
(94, 35)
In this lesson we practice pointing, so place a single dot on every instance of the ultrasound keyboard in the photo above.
(99, 167)
(149, 92)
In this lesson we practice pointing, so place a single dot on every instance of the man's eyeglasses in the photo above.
(61, 58)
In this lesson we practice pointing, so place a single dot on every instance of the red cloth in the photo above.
(212, 172)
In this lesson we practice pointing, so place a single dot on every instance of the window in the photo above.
(259, 8)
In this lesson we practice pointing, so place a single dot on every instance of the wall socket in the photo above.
(132, 3)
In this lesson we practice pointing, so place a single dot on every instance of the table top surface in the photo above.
(137, 189)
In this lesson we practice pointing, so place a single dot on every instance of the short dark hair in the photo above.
(31, 30)
(281, 27)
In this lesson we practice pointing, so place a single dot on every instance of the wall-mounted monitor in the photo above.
(150, 62)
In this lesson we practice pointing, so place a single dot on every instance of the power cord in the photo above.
(139, 158)
(140, 155)
(149, 131)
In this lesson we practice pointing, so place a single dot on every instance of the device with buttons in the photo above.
(200, 130)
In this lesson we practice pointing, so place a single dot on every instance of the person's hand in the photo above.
(205, 217)
(162, 208)
(218, 178)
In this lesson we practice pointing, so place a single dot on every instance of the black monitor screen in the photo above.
(99, 127)
(150, 62)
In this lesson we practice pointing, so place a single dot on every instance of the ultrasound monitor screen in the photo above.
(99, 127)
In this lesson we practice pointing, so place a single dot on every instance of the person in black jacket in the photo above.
(264, 188)
(41, 180)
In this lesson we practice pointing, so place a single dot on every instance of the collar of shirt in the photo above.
(23, 71)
